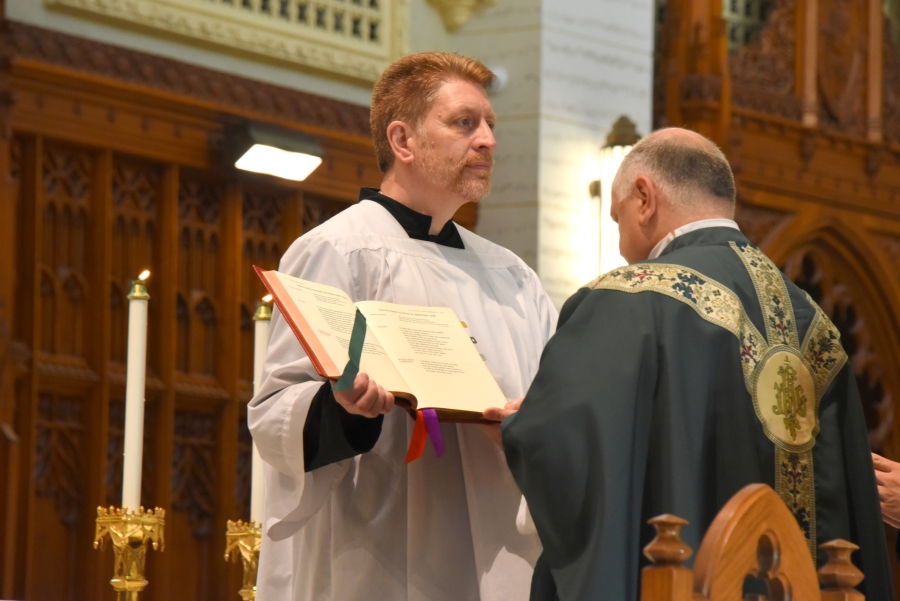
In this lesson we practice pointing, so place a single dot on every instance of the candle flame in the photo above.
(267, 298)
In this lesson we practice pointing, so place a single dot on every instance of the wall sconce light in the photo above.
(263, 148)
(619, 141)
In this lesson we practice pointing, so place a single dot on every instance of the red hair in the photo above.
(407, 89)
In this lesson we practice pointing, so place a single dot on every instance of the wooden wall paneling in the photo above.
(30, 332)
(93, 567)
(228, 575)
(65, 108)
(23, 329)
(162, 567)
(9, 447)
(810, 58)
(66, 382)
(292, 226)
(875, 64)
(199, 384)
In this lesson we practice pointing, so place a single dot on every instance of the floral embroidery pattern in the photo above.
(717, 304)
(823, 351)
(796, 486)
(775, 302)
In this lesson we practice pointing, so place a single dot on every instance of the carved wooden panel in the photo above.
(815, 272)
(109, 173)
(757, 223)
(135, 195)
(199, 275)
(202, 86)
(762, 71)
(66, 174)
(194, 471)
(891, 90)
(263, 212)
(318, 210)
(59, 462)
(842, 64)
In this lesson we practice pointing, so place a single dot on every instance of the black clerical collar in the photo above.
(416, 224)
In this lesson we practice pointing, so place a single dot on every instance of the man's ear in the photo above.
(648, 194)
(399, 136)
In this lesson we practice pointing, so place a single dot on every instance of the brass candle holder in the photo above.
(130, 532)
(242, 540)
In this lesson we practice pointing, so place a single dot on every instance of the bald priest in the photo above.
(674, 382)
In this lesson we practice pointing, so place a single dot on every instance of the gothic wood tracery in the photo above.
(193, 470)
(66, 181)
(109, 172)
(842, 61)
(815, 271)
(199, 275)
(59, 469)
(762, 72)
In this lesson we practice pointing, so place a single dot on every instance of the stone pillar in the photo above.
(573, 68)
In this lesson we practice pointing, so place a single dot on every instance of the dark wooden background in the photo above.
(107, 167)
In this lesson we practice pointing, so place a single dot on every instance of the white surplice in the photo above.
(372, 528)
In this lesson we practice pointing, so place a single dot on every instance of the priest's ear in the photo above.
(647, 194)
(400, 136)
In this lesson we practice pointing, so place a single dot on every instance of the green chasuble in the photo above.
(669, 386)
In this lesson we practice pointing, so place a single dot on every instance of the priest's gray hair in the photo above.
(689, 169)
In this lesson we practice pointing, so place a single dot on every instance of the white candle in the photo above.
(134, 393)
(262, 319)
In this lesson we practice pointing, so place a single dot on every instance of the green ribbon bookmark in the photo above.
(357, 338)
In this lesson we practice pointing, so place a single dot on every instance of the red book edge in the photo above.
(277, 294)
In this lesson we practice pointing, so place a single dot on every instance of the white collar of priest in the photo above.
(690, 227)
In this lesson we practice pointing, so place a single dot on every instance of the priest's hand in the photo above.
(366, 398)
(497, 414)
(887, 475)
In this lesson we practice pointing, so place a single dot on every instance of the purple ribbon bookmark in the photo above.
(434, 430)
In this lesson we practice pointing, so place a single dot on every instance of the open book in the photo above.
(422, 355)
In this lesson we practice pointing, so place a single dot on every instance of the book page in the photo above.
(324, 315)
(434, 355)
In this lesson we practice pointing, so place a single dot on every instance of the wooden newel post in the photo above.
(667, 579)
(839, 577)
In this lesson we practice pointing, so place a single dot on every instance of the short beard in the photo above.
(453, 176)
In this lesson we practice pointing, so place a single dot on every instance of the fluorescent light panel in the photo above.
(281, 163)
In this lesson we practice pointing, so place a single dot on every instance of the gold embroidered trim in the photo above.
(795, 483)
(823, 351)
(786, 395)
(711, 300)
(774, 300)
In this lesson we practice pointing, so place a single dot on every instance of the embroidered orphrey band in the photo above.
(785, 378)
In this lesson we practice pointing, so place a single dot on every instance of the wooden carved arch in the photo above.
(845, 276)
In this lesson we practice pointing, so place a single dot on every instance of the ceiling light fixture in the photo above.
(272, 150)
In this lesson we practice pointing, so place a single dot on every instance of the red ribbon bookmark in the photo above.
(427, 425)
(417, 442)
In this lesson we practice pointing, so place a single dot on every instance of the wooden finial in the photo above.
(667, 579)
(839, 577)
(667, 548)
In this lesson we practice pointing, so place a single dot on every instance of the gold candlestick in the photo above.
(242, 540)
(130, 532)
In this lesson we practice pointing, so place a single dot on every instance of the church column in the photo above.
(572, 68)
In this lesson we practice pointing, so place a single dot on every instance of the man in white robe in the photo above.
(345, 517)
